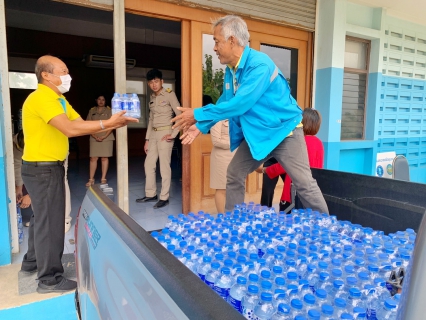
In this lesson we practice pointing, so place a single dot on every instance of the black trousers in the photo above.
(46, 234)
(268, 185)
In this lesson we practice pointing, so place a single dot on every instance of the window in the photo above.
(21, 80)
(355, 79)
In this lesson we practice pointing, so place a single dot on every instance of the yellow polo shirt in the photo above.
(44, 142)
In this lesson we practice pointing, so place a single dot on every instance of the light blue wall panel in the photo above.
(5, 240)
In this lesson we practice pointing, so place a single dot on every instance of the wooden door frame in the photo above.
(192, 78)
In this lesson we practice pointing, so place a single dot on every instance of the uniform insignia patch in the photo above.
(169, 90)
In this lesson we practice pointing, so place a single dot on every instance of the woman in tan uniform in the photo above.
(101, 144)
(220, 158)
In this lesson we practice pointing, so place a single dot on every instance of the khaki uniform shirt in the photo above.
(105, 114)
(161, 110)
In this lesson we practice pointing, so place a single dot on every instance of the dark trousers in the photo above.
(46, 235)
(292, 154)
(268, 185)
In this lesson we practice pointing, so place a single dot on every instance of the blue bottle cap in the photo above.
(337, 273)
(253, 289)
(321, 293)
(345, 316)
(265, 274)
(284, 308)
(390, 303)
(277, 269)
(297, 304)
(241, 280)
(324, 275)
(253, 277)
(265, 284)
(354, 292)
(360, 312)
(351, 281)
(225, 270)
(363, 276)
(215, 265)
(339, 302)
(338, 283)
(314, 314)
(292, 275)
(279, 281)
(207, 259)
(327, 309)
(266, 296)
(309, 299)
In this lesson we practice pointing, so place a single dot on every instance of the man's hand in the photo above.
(185, 119)
(18, 191)
(189, 136)
(260, 169)
(26, 201)
(145, 147)
(168, 138)
(118, 120)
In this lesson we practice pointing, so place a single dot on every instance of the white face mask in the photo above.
(66, 83)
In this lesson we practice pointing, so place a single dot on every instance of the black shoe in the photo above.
(28, 272)
(161, 203)
(147, 199)
(63, 286)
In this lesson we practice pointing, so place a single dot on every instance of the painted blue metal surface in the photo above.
(5, 240)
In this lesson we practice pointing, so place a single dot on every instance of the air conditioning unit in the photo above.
(95, 61)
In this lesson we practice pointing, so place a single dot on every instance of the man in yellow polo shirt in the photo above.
(48, 121)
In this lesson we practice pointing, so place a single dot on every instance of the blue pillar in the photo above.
(5, 235)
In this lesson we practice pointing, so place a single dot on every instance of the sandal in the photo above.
(103, 180)
(90, 183)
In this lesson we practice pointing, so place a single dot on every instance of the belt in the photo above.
(43, 163)
(161, 128)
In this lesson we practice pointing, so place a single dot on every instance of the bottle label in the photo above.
(247, 312)
(223, 292)
(235, 303)
(210, 284)
(371, 314)
(260, 253)
(312, 288)
(202, 276)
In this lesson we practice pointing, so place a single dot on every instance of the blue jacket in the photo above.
(261, 110)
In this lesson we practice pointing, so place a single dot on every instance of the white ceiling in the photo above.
(410, 10)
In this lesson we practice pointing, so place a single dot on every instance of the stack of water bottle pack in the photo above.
(302, 265)
(130, 104)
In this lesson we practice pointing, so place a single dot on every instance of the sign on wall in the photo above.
(384, 162)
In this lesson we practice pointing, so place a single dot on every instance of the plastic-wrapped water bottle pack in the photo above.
(302, 265)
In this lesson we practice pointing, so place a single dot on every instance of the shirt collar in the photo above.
(160, 94)
(46, 90)
(242, 61)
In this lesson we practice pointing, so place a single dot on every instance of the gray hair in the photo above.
(233, 26)
(43, 66)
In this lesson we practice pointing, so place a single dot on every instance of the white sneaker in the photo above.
(67, 226)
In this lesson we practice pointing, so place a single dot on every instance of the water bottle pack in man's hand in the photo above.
(130, 104)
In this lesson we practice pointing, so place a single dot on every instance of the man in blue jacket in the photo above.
(264, 119)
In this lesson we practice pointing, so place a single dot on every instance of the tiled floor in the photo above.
(144, 213)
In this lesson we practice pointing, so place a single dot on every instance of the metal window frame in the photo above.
(359, 71)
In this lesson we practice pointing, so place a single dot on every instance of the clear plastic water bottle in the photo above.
(204, 267)
(297, 308)
(314, 314)
(266, 286)
(322, 297)
(126, 104)
(327, 312)
(309, 302)
(212, 274)
(360, 313)
(354, 298)
(372, 302)
(339, 307)
(237, 292)
(116, 105)
(19, 222)
(388, 311)
(135, 111)
(224, 283)
(249, 301)
(264, 309)
(283, 312)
